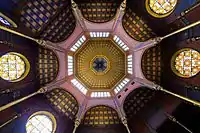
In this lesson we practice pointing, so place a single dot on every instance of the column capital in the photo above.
(41, 42)
(124, 120)
(74, 5)
(123, 6)
(77, 122)
(42, 90)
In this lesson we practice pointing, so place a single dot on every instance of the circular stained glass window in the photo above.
(186, 63)
(13, 67)
(41, 122)
(160, 8)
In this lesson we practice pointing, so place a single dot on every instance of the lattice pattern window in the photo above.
(186, 63)
(70, 65)
(61, 27)
(13, 67)
(47, 66)
(79, 86)
(78, 44)
(121, 85)
(160, 8)
(130, 64)
(151, 64)
(99, 34)
(100, 94)
(36, 14)
(120, 43)
(41, 122)
(137, 100)
(64, 102)
(101, 115)
(136, 27)
(99, 11)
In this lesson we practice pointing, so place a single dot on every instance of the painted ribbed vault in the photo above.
(105, 48)
(98, 11)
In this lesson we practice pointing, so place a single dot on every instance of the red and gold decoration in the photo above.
(186, 63)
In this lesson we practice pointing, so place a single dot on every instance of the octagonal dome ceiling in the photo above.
(100, 64)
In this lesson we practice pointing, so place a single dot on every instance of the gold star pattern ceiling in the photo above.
(100, 64)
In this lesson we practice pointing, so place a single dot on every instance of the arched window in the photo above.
(186, 63)
(41, 122)
(13, 67)
(6, 21)
(160, 8)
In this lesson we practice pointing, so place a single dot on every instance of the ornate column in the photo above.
(173, 119)
(14, 118)
(148, 44)
(154, 86)
(80, 114)
(125, 122)
(122, 115)
(155, 41)
(77, 123)
(152, 130)
(78, 15)
(41, 42)
(119, 15)
(40, 91)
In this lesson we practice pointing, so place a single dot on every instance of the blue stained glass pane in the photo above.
(4, 21)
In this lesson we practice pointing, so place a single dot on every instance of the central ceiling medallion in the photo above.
(100, 65)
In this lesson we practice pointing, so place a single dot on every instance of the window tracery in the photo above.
(41, 122)
(160, 8)
(186, 63)
(13, 67)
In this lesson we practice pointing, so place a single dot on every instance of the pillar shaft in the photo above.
(119, 15)
(77, 123)
(173, 119)
(17, 33)
(152, 130)
(122, 115)
(40, 91)
(78, 15)
(182, 29)
(147, 44)
(154, 86)
(154, 41)
(196, 103)
(80, 114)
(9, 121)
(38, 41)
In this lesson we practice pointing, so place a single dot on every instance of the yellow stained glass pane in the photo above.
(187, 63)
(162, 6)
(12, 67)
(41, 123)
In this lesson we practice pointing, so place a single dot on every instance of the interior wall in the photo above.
(37, 103)
(12, 43)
